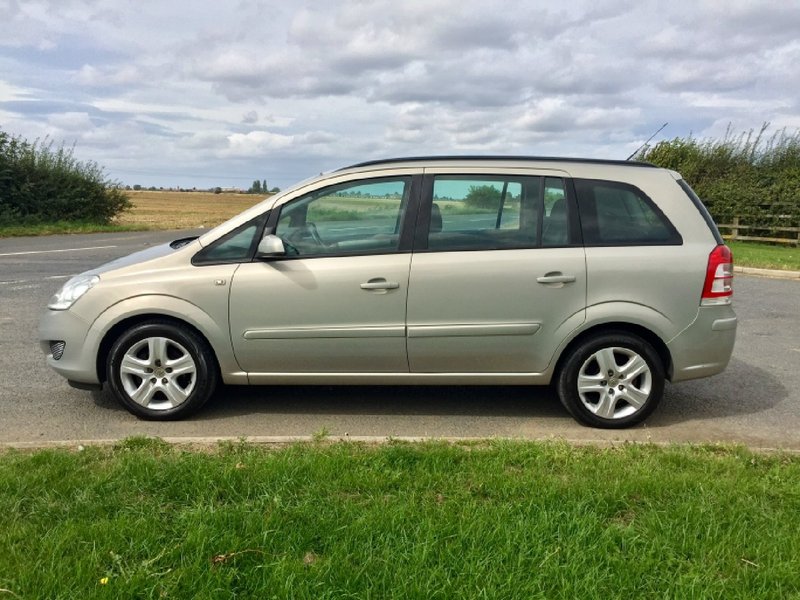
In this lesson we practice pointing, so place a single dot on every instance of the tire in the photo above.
(623, 398)
(161, 371)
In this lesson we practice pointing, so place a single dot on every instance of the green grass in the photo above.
(65, 227)
(320, 520)
(765, 256)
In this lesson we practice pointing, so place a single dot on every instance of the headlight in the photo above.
(71, 291)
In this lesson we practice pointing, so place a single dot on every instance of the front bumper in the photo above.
(78, 362)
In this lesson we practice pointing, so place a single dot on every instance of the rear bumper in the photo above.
(705, 347)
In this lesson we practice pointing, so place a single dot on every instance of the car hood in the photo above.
(139, 257)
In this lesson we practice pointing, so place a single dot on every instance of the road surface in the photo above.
(755, 402)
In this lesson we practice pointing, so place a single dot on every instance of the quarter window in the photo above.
(237, 246)
(618, 214)
(352, 218)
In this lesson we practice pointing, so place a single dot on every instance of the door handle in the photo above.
(556, 277)
(380, 284)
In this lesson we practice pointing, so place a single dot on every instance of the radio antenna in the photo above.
(635, 152)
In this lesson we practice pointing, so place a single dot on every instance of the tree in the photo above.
(743, 174)
(42, 183)
(255, 188)
(483, 196)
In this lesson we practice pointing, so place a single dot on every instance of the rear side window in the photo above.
(494, 213)
(555, 226)
(619, 214)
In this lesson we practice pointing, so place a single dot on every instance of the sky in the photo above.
(202, 94)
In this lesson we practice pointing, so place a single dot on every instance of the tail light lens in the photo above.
(718, 287)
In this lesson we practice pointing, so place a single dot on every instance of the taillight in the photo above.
(718, 287)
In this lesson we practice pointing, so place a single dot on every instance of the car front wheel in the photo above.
(161, 371)
(612, 380)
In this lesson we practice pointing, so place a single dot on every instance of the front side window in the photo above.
(352, 218)
(618, 214)
(495, 213)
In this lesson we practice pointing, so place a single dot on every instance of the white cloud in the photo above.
(10, 92)
(176, 92)
(123, 75)
(71, 122)
(255, 143)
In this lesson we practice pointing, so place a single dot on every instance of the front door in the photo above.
(336, 302)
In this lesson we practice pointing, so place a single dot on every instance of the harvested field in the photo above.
(184, 210)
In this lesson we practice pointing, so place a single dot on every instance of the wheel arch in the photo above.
(116, 318)
(120, 327)
(641, 331)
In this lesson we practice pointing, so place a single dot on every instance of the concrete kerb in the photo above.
(278, 441)
(774, 273)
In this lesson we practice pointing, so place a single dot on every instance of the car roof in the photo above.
(493, 158)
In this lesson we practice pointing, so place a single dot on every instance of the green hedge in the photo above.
(42, 184)
(747, 175)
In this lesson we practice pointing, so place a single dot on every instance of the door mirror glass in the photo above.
(270, 245)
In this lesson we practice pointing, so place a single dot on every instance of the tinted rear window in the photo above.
(619, 214)
(703, 210)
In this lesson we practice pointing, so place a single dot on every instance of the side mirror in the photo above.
(269, 246)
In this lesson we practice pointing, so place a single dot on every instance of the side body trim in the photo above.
(478, 330)
(301, 333)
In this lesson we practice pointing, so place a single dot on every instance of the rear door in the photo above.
(498, 275)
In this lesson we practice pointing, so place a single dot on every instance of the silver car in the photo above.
(604, 278)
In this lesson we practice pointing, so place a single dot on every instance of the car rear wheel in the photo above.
(161, 371)
(612, 380)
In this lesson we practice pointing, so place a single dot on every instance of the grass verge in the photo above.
(500, 520)
(765, 256)
(66, 227)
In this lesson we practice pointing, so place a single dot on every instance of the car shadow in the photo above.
(103, 399)
(478, 401)
(742, 389)
(488, 401)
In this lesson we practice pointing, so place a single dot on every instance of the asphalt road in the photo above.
(755, 402)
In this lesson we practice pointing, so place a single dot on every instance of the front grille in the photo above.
(57, 348)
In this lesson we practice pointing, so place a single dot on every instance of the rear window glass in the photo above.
(618, 214)
(492, 212)
(702, 209)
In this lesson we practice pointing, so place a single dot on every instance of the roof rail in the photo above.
(411, 159)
